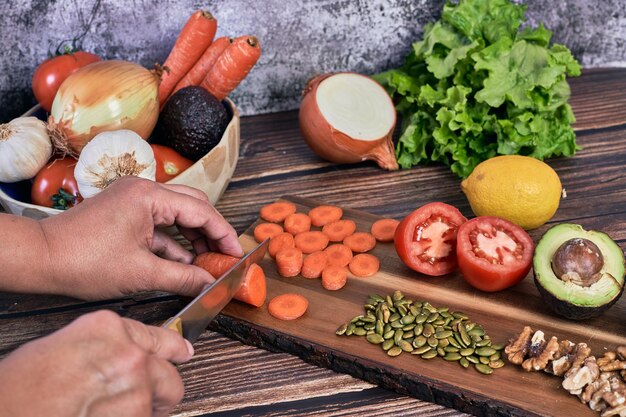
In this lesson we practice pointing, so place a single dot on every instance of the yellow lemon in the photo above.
(520, 189)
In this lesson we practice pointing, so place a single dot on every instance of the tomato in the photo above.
(51, 73)
(169, 162)
(493, 253)
(426, 239)
(55, 186)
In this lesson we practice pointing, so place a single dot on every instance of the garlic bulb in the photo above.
(25, 147)
(110, 155)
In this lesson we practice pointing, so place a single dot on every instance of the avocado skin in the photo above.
(192, 122)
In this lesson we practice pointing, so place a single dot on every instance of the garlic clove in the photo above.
(25, 148)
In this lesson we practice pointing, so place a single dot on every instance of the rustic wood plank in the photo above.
(598, 98)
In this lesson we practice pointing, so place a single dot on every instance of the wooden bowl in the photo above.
(210, 174)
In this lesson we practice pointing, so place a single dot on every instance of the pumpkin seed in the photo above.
(419, 341)
(464, 362)
(402, 310)
(429, 330)
(409, 327)
(389, 301)
(397, 324)
(484, 359)
(466, 351)
(451, 349)
(496, 364)
(429, 354)
(408, 319)
(421, 318)
(398, 336)
(459, 315)
(414, 311)
(470, 325)
(375, 339)
(408, 335)
(454, 342)
(432, 317)
(443, 343)
(418, 330)
(497, 346)
(388, 344)
(350, 329)
(464, 336)
(429, 307)
(377, 298)
(359, 331)
(485, 351)
(496, 356)
(379, 327)
(443, 334)
(389, 334)
(441, 352)
(369, 326)
(483, 342)
(421, 350)
(477, 331)
(405, 346)
(386, 313)
(483, 368)
(455, 322)
(341, 330)
(397, 295)
(460, 341)
(395, 351)
(473, 359)
(432, 342)
(356, 319)
(452, 356)
(394, 317)
(439, 322)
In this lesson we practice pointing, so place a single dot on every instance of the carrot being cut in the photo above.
(338, 230)
(264, 230)
(334, 277)
(282, 240)
(277, 212)
(193, 40)
(360, 242)
(288, 306)
(197, 73)
(311, 241)
(314, 264)
(297, 223)
(322, 215)
(364, 265)
(338, 254)
(253, 289)
(289, 262)
(384, 229)
(215, 263)
(232, 66)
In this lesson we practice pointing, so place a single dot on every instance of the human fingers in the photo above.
(167, 386)
(162, 343)
(177, 278)
(167, 247)
(183, 189)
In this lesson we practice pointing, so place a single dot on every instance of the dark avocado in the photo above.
(579, 273)
(192, 122)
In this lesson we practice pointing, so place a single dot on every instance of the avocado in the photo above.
(192, 122)
(579, 273)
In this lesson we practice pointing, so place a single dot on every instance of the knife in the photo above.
(192, 320)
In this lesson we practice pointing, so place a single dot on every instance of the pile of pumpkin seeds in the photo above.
(399, 325)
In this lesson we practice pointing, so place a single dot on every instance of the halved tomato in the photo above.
(426, 239)
(493, 253)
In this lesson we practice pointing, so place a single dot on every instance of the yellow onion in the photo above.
(105, 96)
(348, 118)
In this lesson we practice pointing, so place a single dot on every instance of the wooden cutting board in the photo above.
(508, 391)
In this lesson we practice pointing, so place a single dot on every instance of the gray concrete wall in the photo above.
(299, 38)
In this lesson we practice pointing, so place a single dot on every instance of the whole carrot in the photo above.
(193, 40)
(197, 73)
(232, 66)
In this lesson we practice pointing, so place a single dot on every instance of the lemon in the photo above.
(520, 189)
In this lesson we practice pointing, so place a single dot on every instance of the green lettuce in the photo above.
(477, 86)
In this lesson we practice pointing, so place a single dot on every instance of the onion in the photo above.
(25, 148)
(105, 96)
(347, 118)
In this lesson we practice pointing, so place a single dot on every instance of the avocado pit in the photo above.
(579, 261)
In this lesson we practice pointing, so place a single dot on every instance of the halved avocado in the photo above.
(579, 273)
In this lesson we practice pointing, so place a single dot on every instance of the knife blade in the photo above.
(192, 320)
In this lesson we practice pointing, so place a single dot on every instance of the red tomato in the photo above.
(493, 253)
(51, 73)
(169, 162)
(426, 239)
(55, 186)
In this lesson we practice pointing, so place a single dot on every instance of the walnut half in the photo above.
(517, 348)
(578, 377)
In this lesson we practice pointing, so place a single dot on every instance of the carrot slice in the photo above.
(312, 241)
(297, 223)
(334, 277)
(215, 263)
(322, 215)
(253, 289)
(288, 306)
(277, 212)
(264, 230)
(360, 242)
(384, 229)
(314, 264)
(338, 254)
(289, 262)
(337, 231)
(364, 265)
(282, 240)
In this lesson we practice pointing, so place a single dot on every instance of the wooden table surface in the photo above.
(227, 378)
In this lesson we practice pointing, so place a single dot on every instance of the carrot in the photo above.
(288, 306)
(264, 230)
(253, 289)
(297, 223)
(314, 264)
(334, 277)
(338, 254)
(364, 265)
(193, 40)
(277, 212)
(360, 242)
(215, 263)
(280, 241)
(197, 73)
(289, 262)
(322, 215)
(337, 231)
(232, 66)
(384, 229)
(312, 241)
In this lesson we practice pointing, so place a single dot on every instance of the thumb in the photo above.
(179, 278)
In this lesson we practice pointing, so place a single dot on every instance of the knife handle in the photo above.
(175, 324)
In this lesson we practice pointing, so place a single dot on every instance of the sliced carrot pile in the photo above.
(280, 241)
(338, 230)
(287, 306)
(322, 215)
(264, 230)
(277, 212)
(253, 289)
(289, 262)
(312, 241)
(215, 263)
(364, 265)
(384, 229)
(314, 264)
(334, 277)
(360, 242)
(338, 254)
(297, 223)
